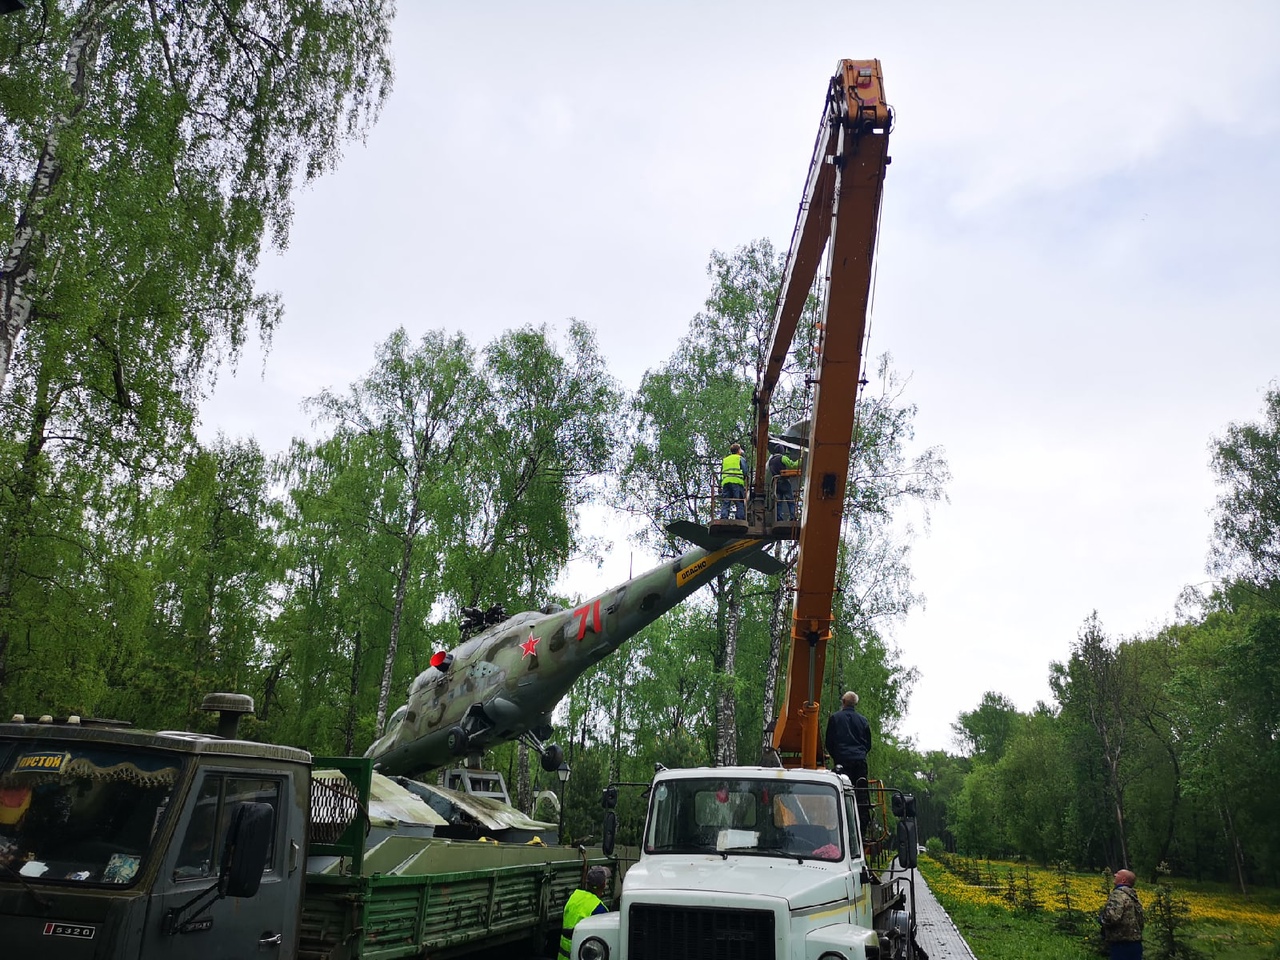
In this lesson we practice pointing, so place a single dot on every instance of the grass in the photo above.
(1221, 924)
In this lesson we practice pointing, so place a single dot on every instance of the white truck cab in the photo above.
(753, 863)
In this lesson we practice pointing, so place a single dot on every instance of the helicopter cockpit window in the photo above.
(396, 719)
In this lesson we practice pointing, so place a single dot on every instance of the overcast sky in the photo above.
(1078, 260)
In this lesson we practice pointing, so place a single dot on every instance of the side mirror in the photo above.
(908, 851)
(610, 833)
(245, 855)
(903, 804)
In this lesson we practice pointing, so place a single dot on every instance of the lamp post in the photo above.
(562, 772)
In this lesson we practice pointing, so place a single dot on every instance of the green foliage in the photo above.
(1247, 520)
(147, 151)
(1169, 736)
(1096, 689)
(1069, 918)
(984, 733)
(1028, 899)
(1168, 918)
(538, 442)
(215, 574)
(1010, 891)
(150, 149)
(977, 816)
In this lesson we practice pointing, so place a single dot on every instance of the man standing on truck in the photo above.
(583, 903)
(1122, 919)
(848, 742)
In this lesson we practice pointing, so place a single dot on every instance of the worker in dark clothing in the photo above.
(1122, 919)
(848, 742)
(733, 484)
(583, 902)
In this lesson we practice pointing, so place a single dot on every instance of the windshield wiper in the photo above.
(39, 897)
(780, 852)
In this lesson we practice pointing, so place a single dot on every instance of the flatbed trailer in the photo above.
(440, 898)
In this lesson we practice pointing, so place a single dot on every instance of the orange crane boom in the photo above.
(838, 214)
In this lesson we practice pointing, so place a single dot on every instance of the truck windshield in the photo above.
(766, 817)
(73, 813)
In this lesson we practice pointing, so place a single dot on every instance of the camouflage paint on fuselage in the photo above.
(506, 681)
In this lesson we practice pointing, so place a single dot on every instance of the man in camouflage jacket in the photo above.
(1122, 919)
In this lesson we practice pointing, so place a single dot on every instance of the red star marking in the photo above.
(530, 647)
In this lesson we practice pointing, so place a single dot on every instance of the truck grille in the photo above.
(660, 932)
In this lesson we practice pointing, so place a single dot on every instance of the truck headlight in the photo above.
(593, 948)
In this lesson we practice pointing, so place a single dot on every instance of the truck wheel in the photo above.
(552, 757)
(456, 740)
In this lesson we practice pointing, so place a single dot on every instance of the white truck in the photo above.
(756, 863)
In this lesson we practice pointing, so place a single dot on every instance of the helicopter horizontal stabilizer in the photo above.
(700, 536)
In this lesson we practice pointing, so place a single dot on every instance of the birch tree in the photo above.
(1246, 460)
(539, 444)
(339, 586)
(148, 150)
(154, 146)
(1094, 690)
(413, 410)
(212, 548)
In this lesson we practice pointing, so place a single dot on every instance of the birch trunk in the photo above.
(18, 270)
(1233, 841)
(726, 700)
(397, 610)
(18, 523)
(770, 708)
(524, 785)
(615, 768)
(353, 699)
(1111, 751)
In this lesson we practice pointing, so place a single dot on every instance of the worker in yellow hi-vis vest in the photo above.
(733, 484)
(583, 903)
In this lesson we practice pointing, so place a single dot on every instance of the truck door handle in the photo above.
(271, 940)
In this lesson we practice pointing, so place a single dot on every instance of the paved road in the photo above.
(935, 932)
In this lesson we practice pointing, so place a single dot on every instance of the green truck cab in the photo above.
(118, 843)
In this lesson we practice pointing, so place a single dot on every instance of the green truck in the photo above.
(119, 843)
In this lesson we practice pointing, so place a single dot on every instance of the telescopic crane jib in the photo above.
(839, 213)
